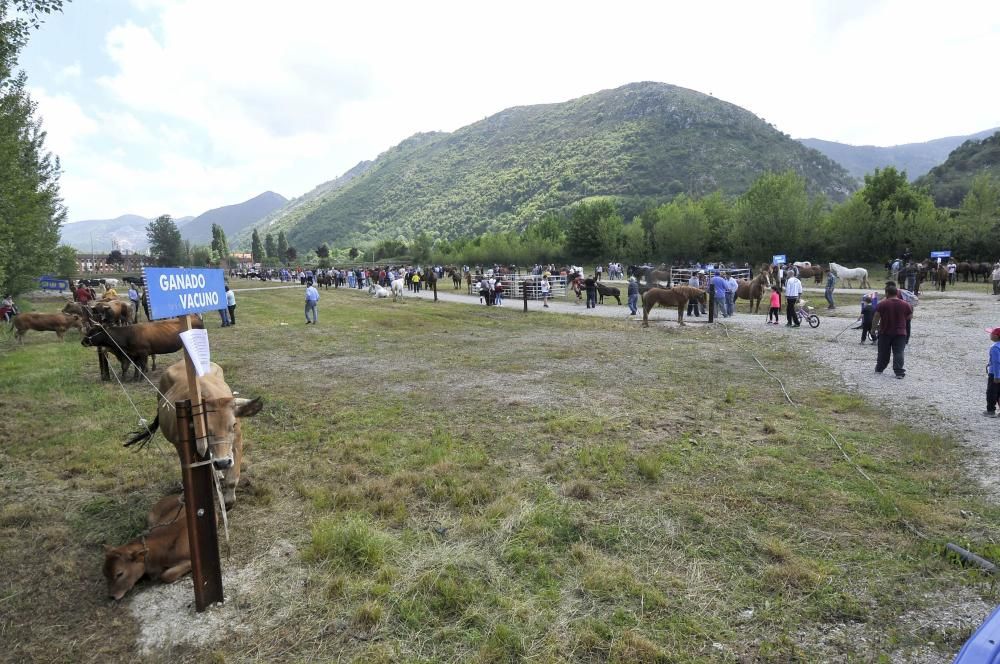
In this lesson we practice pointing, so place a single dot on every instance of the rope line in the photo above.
(909, 526)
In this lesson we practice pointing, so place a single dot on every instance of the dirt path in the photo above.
(944, 388)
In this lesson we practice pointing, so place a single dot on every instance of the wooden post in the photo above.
(206, 568)
(102, 363)
(435, 290)
(711, 302)
(199, 508)
(524, 290)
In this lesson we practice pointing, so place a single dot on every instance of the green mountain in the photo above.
(949, 182)
(914, 158)
(641, 143)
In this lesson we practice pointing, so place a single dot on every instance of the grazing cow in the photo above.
(162, 554)
(610, 291)
(224, 431)
(134, 344)
(57, 323)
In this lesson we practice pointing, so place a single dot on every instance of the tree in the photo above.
(773, 216)
(291, 253)
(682, 230)
(978, 220)
(165, 243)
(65, 261)
(420, 249)
(115, 257)
(270, 248)
(31, 210)
(201, 256)
(323, 250)
(256, 251)
(220, 246)
(282, 246)
(595, 230)
(353, 253)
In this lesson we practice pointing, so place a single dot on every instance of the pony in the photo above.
(677, 296)
(377, 291)
(456, 277)
(610, 291)
(815, 271)
(397, 289)
(942, 277)
(753, 290)
(849, 274)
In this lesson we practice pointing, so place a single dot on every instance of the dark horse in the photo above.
(456, 277)
(610, 291)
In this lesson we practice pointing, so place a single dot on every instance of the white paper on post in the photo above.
(196, 344)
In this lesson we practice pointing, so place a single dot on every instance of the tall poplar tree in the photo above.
(270, 248)
(165, 242)
(256, 249)
(31, 210)
(282, 247)
(220, 245)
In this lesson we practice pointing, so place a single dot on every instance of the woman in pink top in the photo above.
(775, 305)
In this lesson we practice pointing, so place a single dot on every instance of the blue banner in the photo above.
(778, 259)
(941, 254)
(177, 291)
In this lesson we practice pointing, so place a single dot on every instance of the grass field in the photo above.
(452, 483)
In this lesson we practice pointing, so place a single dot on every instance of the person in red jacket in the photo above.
(891, 317)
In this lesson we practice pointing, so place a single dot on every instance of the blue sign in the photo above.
(778, 259)
(52, 283)
(177, 291)
(941, 254)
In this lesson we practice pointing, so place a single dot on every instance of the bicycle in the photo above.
(804, 312)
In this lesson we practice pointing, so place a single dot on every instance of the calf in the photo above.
(57, 323)
(136, 343)
(161, 554)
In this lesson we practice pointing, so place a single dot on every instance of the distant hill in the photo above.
(914, 158)
(297, 206)
(950, 182)
(129, 230)
(232, 218)
(641, 143)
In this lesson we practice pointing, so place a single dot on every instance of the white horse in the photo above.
(802, 264)
(848, 274)
(397, 289)
(378, 291)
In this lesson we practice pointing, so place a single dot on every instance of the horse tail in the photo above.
(143, 437)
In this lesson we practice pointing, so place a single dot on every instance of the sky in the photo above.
(180, 106)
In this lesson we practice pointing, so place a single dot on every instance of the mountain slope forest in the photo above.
(232, 218)
(949, 183)
(915, 159)
(642, 144)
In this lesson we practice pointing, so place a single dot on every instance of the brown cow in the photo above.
(224, 431)
(161, 554)
(136, 343)
(57, 323)
(114, 312)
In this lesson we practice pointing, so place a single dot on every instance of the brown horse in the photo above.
(655, 277)
(753, 291)
(815, 271)
(456, 277)
(942, 277)
(677, 296)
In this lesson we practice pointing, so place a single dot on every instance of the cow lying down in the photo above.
(161, 554)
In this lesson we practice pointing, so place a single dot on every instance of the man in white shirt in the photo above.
(793, 290)
(731, 286)
(312, 299)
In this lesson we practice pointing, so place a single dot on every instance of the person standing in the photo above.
(546, 290)
(598, 272)
(993, 374)
(719, 288)
(831, 279)
(775, 309)
(694, 307)
(996, 279)
(793, 291)
(633, 296)
(133, 297)
(231, 305)
(590, 285)
(731, 286)
(312, 300)
(891, 316)
(952, 270)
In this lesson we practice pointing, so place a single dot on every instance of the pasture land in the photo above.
(439, 482)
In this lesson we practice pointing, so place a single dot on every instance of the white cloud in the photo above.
(213, 102)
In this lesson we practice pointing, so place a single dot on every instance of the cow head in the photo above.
(123, 567)
(226, 438)
(96, 336)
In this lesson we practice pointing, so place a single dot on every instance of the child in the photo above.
(866, 317)
(993, 374)
(775, 305)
